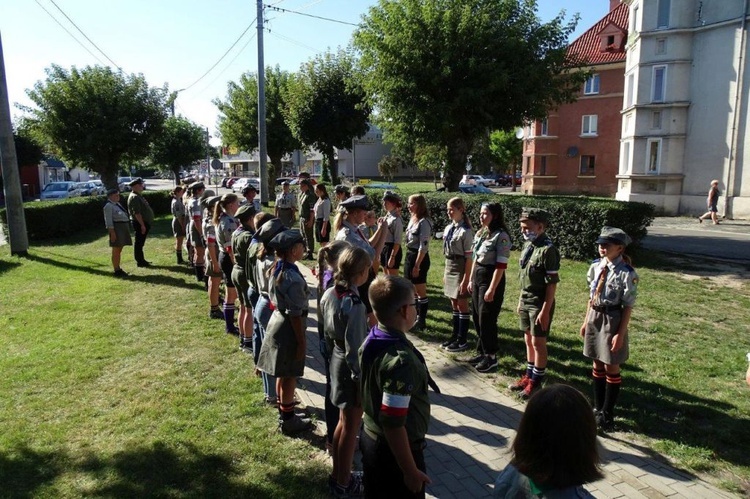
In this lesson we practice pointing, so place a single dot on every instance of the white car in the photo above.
(245, 181)
(478, 180)
(60, 190)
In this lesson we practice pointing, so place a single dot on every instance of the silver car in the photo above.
(60, 190)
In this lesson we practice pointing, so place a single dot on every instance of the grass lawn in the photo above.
(126, 388)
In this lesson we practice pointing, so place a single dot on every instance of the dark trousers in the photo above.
(307, 234)
(485, 313)
(140, 240)
(381, 473)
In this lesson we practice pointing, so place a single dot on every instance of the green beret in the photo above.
(209, 201)
(286, 239)
(112, 191)
(355, 202)
(613, 235)
(534, 214)
(268, 230)
(245, 211)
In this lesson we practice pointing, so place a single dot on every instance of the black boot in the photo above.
(454, 334)
(610, 400)
(600, 384)
(179, 257)
(422, 319)
(200, 272)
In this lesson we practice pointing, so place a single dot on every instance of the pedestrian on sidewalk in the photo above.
(554, 452)
(345, 326)
(418, 235)
(142, 216)
(539, 273)
(457, 241)
(487, 283)
(613, 287)
(117, 222)
(712, 201)
(396, 406)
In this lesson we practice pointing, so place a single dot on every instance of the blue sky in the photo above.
(175, 42)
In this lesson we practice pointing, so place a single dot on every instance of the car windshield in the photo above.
(59, 186)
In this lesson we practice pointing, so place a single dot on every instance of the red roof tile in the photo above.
(588, 45)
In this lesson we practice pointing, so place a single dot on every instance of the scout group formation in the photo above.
(377, 381)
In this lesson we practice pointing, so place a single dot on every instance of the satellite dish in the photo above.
(572, 152)
(519, 133)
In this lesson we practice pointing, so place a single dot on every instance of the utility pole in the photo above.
(19, 239)
(262, 153)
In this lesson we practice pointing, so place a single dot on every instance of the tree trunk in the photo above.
(333, 166)
(176, 173)
(456, 165)
(109, 177)
(274, 167)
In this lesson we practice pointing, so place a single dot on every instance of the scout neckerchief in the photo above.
(379, 340)
(447, 240)
(117, 205)
(528, 250)
(283, 265)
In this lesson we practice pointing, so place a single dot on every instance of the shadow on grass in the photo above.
(7, 265)
(161, 229)
(159, 470)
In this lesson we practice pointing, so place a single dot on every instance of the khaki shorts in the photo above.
(528, 315)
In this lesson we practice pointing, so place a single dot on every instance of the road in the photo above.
(730, 240)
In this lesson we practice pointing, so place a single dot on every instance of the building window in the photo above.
(543, 165)
(661, 46)
(587, 165)
(662, 16)
(589, 125)
(544, 127)
(592, 85)
(630, 91)
(658, 83)
(653, 157)
(635, 25)
(656, 119)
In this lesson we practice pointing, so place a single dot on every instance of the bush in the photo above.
(51, 219)
(575, 221)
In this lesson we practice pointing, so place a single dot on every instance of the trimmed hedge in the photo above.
(51, 219)
(575, 220)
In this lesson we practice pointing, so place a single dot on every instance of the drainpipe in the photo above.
(731, 173)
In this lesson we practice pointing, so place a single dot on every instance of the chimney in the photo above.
(613, 4)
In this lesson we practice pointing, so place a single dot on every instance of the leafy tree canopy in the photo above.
(447, 71)
(506, 150)
(28, 150)
(96, 117)
(328, 106)
(180, 144)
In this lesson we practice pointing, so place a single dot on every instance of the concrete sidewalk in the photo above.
(473, 425)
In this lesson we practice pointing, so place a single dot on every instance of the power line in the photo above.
(228, 65)
(292, 41)
(69, 33)
(85, 36)
(279, 9)
(222, 57)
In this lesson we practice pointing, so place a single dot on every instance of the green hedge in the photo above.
(575, 221)
(51, 219)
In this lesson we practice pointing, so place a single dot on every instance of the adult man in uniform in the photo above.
(142, 216)
(307, 215)
(286, 206)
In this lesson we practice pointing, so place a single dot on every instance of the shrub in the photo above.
(575, 221)
(51, 219)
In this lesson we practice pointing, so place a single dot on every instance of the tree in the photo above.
(95, 118)
(446, 71)
(506, 150)
(28, 150)
(389, 165)
(238, 121)
(181, 143)
(328, 106)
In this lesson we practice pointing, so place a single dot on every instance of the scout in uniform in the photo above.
(117, 220)
(213, 267)
(225, 225)
(283, 351)
(249, 193)
(322, 211)
(307, 215)
(342, 194)
(487, 282)
(539, 275)
(241, 239)
(345, 327)
(177, 208)
(612, 294)
(391, 256)
(394, 381)
(196, 193)
(418, 234)
(457, 248)
(142, 216)
(286, 206)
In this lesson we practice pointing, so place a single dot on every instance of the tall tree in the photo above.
(328, 106)
(506, 150)
(238, 121)
(446, 71)
(181, 143)
(95, 118)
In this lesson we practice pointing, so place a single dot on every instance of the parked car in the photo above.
(474, 189)
(281, 180)
(59, 190)
(92, 188)
(478, 180)
(122, 183)
(244, 181)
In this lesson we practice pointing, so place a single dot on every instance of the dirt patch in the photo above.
(718, 272)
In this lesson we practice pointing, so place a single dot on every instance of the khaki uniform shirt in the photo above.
(344, 323)
(137, 205)
(395, 227)
(306, 204)
(284, 201)
(460, 242)
(114, 212)
(620, 286)
(418, 235)
(540, 265)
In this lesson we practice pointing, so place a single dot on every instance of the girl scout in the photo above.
(178, 221)
(225, 225)
(457, 241)
(240, 242)
(197, 193)
(390, 257)
(117, 222)
(612, 293)
(418, 234)
(213, 269)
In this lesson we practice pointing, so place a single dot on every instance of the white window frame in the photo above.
(663, 14)
(630, 91)
(625, 167)
(589, 125)
(544, 127)
(592, 85)
(649, 145)
(663, 89)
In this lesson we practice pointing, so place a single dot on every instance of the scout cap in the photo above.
(286, 239)
(268, 230)
(613, 235)
(245, 211)
(355, 203)
(341, 189)
(391, 196)
(206, 194)
(112, 191)
(209, 201)
(306, 181)
(534, 214)
(196, 185)
(248, 188)
(136, 180)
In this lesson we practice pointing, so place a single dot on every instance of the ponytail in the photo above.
(338, 222)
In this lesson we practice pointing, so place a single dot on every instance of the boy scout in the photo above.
(286, 206)
(540, 264)
(307, 215)
(394, 382)
(142, 216)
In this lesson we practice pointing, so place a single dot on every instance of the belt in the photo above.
(487, 265)
(412, 250)
(121, 221)
(607, 308)
(455, 257)
(285, 208)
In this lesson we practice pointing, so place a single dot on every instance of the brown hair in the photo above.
(220, 207)
(351, 263)
(328, 258)
(321, 188)
(388, 293)
(555, 445)
(458, 204)
(177, 191)
(421, 202)
(358, 190)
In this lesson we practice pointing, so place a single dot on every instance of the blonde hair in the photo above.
(421, 211)
(221, 206)
(351, 263)
(328, 258)
(388, 293)
(458, 204)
